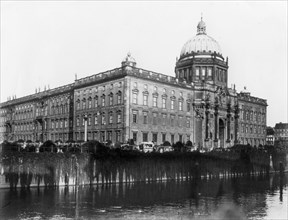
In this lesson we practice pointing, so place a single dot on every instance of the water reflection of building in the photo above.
(133, 103)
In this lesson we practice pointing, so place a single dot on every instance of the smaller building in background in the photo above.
(281, 133)
(270, 136)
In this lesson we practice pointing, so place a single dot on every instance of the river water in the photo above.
(245, 197)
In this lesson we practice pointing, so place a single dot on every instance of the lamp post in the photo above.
(85, 127)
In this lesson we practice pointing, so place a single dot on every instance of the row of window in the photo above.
(96, 89)
(253, 129)
(58, 109)
(160, 119)
(154, 137)
(24, 127)
(60, 123)
(102, 117)
(173, 102)
(102, 136)
(203, 73)
(252, 116)
(83, 104)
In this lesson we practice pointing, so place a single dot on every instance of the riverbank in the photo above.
(48, 169)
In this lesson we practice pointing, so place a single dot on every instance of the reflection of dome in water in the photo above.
(201, 43)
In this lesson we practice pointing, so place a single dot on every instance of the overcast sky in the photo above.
(48, 42)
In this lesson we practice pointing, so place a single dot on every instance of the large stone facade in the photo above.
(132, 103)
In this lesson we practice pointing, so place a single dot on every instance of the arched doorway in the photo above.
(221, 132)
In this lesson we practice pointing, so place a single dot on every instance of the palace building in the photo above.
(133, 103)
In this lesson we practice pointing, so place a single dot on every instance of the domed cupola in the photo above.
(201, 44)
(201, 27)
(201, 60)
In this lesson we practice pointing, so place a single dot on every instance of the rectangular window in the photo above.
(89, 120)
(96, 120)
(180, 106)
(119, 117)
(164, 117)
(103, 119)
(154, 137)
(84, 104)
(110, 118)
(203, 72)
(134, 136)
(154, 101)
(134, 116)
(163, 137)
(145, 117)
(188, 122)
(197, 73)
(180, 137)
(118, 136)
(145, 136)
(96, 102)
(89, 103)
(119, 99)
(188, 107)
(52, 124)
(134, 98)
(172, 117)
(83, 121)
(111, 100)
(109, 135)
(145, 99)
(103, 101)
(172, 104)
(95, 135)
(78, 122)
(180, 121)
(102, 136)
(154, 118)
(163, 103)
(172, 138)
(210, 73)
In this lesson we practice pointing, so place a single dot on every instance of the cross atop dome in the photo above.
(201, 27)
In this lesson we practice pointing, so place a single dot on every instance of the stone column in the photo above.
(216, 124)
(236, 116)
(207, 122)
(85, 127)
(228, 126)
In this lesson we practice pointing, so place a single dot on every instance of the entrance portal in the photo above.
(221, 132)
